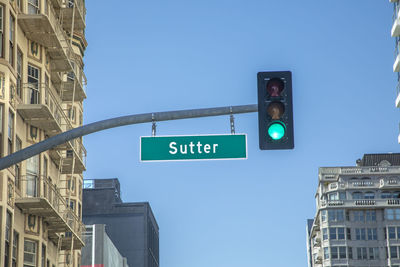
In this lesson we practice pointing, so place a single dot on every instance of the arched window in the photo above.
(357, 195)
(369, 195)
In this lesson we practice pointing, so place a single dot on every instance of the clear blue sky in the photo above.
(153, 55)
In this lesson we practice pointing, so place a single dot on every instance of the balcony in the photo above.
(71, 80)
(76, 241)
(71, 156)
(45, 29)
(361, 203)
(78, 15)
(41, 198)
(40, 108)
(397, 103)
(396, 64)
(396, 22)
(358, 184)
(387, 183)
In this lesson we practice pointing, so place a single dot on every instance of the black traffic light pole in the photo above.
(117, 122)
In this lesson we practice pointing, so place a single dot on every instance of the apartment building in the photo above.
(42, 87)
(395, 32)
(357, 222)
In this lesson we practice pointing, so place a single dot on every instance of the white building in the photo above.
(357, 222)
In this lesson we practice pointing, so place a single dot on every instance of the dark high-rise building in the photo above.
(131, 226)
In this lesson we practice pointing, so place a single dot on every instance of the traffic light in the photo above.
(275, 110)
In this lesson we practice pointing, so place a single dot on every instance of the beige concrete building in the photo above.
(357, 222)
(42, 87)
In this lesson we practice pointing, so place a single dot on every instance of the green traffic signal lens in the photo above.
(276, 130)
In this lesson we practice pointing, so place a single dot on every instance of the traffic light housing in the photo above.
(275, 110)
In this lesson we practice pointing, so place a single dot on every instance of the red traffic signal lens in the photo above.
(275, 87)
(276, 110)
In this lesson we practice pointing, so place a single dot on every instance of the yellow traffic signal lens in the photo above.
(276, 110)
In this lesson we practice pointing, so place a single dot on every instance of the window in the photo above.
(360, 234)
(71, 184)
(326, 253)
(342, 252)
(393, 252)
(335, 215)
(338, 252)
(362, 253)
(335, 233)
(72, 204)
(337, 196)
(359, 216)
(15, 249)
(10, 131)
(348, 234)
(373, 253)
(372, 234)
(332, 233)
(12, 42)
(369, 195)
(357, 195)
(392, 232)
(334, 253)
(390, 194)
(33, 85)
(392, 214)
(370, 215)
(324, 234)
(7, 237)
(43, 255)
(340, 233)
(29, 253)
(86, 185)
(19, 73)
(32, 174)
(1, 30)
(350, 252)
(33, 7)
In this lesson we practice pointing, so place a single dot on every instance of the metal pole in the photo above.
(117, 122)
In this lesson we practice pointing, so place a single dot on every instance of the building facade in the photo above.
(132, 227)
(395, 32)
(357, 222)
(42, 87)
(99, 250)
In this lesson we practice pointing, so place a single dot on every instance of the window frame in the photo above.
(34, 253)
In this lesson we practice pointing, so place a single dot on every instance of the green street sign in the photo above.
(193, 147)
